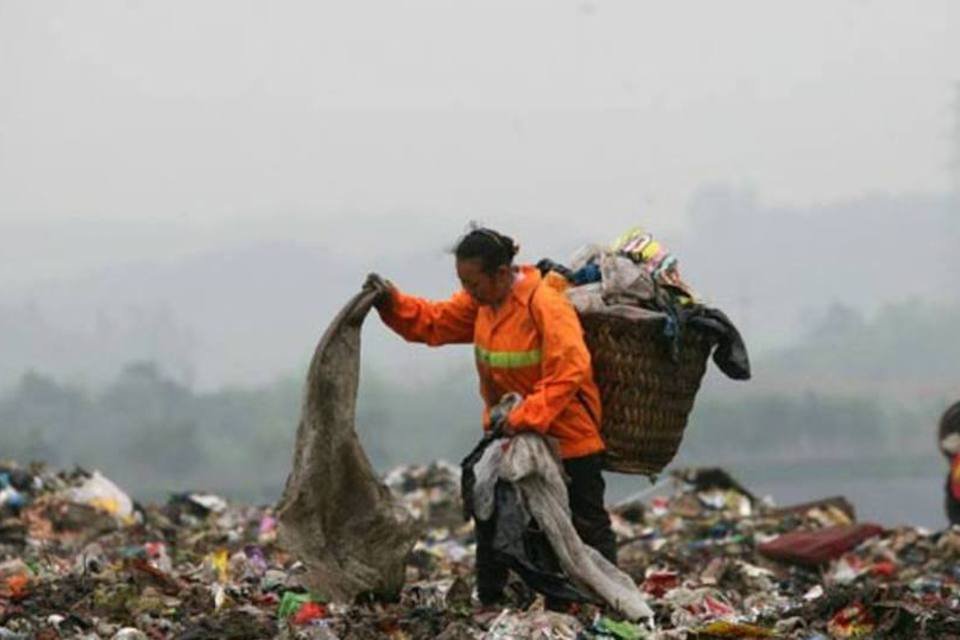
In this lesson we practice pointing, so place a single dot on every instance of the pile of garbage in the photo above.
(80, 559)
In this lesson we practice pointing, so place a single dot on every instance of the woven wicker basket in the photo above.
(646, 395)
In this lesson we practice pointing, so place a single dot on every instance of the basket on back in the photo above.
(647, 395)
(625, 295)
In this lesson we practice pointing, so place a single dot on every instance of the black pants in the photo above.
(590, 519)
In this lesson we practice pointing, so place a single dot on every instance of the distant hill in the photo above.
(234, 317)
(906, 351)
(776, 269)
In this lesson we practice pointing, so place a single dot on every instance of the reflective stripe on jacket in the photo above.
(532, 344)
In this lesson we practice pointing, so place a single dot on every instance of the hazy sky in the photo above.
(152, 129)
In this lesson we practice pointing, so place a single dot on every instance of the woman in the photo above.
(527, 340)
(949, 431)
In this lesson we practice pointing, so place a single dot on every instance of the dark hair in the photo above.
(493, 249)
(950, 422)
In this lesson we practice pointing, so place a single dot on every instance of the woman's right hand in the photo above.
(384, 289)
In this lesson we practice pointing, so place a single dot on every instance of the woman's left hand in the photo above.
(500, 413)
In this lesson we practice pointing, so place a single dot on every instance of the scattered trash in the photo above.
(724, 629)
(309, 612)
(99, 492)
(818, 547)
(621, 630)
(72, 569)
(658, 583)
(10, 497)
(547, 625)
(292, 602)
(854, 621)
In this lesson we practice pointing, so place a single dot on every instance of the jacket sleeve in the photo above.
(564, 366)
(433, 323)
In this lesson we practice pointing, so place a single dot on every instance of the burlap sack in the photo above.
(335, 515)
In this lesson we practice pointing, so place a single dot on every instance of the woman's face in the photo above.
(485, 288)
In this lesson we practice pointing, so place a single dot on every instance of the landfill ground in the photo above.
(79, 559)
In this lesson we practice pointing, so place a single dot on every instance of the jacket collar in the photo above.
(528, 280)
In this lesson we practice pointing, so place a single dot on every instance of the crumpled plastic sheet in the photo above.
(529, 464)
(487, 472)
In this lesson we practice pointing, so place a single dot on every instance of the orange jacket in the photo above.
(532, 344)
(954, 481)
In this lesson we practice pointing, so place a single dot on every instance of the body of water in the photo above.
(915, 499)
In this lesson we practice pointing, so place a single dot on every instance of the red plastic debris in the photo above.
(884, 569)
(142, 569)
(309, 612)
(659, 583)
(717, 608)
(854, 621)
(814, 548)
(17, 586)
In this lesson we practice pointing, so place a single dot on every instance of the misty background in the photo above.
(190, 190)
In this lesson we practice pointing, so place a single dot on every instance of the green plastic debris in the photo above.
(620, 630)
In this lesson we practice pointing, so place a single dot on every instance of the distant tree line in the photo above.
(855, 388)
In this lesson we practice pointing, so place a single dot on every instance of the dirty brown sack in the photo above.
(335, 514)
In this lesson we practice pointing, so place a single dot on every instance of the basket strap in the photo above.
(580, 396)
(586, 405)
